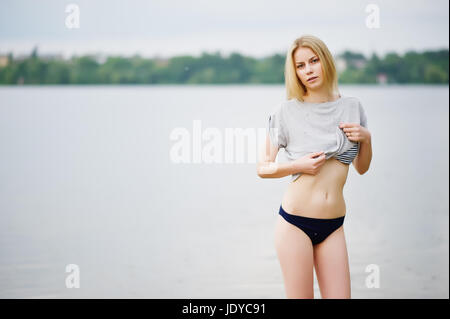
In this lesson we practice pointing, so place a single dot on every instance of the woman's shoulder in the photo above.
(350, 99)
(355, 108)
(290, 103)
(282, 106)
(351, 102)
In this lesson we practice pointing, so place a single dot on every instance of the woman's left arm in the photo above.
(357, 133)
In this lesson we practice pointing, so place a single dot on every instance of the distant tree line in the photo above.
(413, 67)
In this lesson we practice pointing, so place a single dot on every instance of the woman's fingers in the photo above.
(352, 132)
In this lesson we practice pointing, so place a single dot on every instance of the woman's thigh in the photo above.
(332, 268)
(295, 254)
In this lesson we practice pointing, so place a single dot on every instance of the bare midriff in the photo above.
(320, 195)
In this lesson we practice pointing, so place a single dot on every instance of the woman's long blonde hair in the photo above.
(294, 87)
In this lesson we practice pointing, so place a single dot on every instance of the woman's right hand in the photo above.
(310, 163)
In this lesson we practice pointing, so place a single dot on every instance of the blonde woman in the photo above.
(322, 133)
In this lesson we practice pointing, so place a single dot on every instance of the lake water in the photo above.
(88, 176)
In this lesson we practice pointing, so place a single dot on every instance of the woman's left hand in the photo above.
(355, 132)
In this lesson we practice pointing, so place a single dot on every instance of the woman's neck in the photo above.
(320, 96)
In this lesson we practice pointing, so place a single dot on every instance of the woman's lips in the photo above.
(310, 80)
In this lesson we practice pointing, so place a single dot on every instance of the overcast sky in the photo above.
(252, 27)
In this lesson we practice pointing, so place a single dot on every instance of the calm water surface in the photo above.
(87, 177)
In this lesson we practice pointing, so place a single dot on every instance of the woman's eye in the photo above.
(315, 60)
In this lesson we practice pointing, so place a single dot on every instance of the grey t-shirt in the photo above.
(303, 127)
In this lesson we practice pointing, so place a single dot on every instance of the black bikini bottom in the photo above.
(317, 229)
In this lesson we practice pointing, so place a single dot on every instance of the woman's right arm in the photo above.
(276, 170)
(268, 168)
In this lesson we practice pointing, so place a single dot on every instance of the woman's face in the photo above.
(307, 66)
